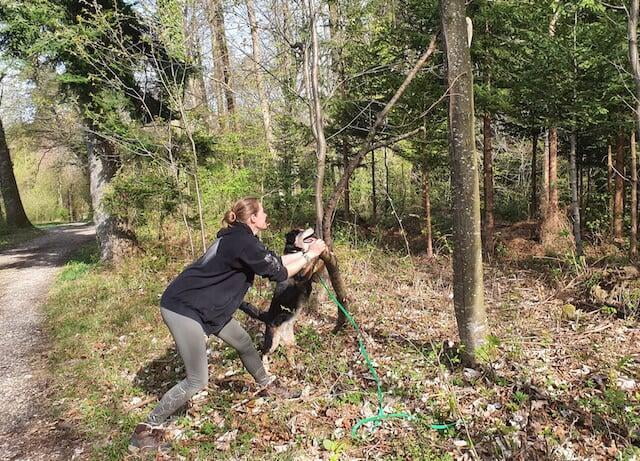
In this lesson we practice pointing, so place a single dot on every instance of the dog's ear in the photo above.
(290, 237)
(289, 241)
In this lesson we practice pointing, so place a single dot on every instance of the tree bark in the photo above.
(575, 205)
(553, 171)
(347, 191)
(633, 241)
(468, 287)
(257, 57)
(610, 186)
(635, 67)
(618, 199)
(533, 208)
(544, 190)
(374, 200)
(16, 218)
(487, 151)
(426, 207)
(115, 241)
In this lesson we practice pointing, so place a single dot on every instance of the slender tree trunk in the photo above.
(347, 194)
(312, 72)
(196, 92)
(579, 166)
(587, 198)
(257, 58)
(635, 67)
(544, 191)
(374, 199)
(426, 206)
(386, 181)
(222, 54)
(575, 205)
(487, 152)
(633, 242)
(610, 186)
(16, 218)
(553, 171)
(468, 287)
(115, 241)
(618, 199)
(533, 208)
(217, 77)
(317, 118)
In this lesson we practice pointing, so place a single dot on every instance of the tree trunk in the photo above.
(196, 92)
(633, 241)
(533, 208)
(635, 67)
(610, 186)
(575, 205)
(347, 192)
(317, 118)
(488, 188)
(221, 54)
(387, 182)
(16, 218)
(426, 207)
(373, 186)
(468, 287)
(257, 57)
(553, 171)
(115, 241)
(618, 199)
(544, 191)
(317, 124)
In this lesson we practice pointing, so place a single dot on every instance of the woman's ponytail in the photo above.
(241, 211)
(229, 218)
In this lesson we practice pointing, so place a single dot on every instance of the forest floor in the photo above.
(28, 429)
(559, 375)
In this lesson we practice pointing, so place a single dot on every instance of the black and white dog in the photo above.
(288, 298)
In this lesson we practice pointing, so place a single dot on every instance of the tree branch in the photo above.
(368, 143)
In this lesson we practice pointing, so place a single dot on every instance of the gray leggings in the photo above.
(191, 343)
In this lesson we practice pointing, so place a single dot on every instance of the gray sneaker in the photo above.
(148, 438)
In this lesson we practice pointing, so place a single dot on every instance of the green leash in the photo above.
(382, 415)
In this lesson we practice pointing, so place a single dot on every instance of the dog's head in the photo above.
(296, 237)
(293, 243)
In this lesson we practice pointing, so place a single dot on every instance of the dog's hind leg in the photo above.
(289, 339)
(272, 337)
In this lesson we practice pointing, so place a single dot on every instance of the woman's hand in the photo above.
(316, 248)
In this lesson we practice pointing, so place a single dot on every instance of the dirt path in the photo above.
(27, 429)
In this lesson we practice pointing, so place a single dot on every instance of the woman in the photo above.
(202, 299)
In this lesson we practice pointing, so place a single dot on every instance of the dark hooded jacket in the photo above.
(212, 288)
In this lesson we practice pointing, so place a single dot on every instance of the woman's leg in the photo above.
(191, 344)
(235, 336)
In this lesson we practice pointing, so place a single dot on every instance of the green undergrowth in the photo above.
(113, 357)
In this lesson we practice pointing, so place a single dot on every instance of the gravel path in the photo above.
(27, 429)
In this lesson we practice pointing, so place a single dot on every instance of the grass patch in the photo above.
(112, 351)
